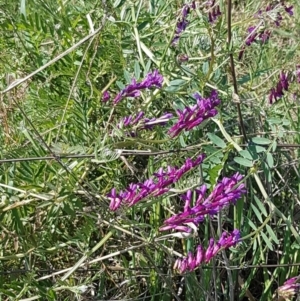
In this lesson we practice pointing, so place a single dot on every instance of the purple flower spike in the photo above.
(105, 96)
(214, 11)
(289, 289)
(223, 194)
(282, 85)
(130, 121)
(182, 22)
(191, 262)
(157, 185)
(284, 81)
(192, 116)
(264, 35)
(115, 200)
(153, 79)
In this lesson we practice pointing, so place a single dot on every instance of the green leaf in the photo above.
(256, 211)
(256, 149)
(214, 173)
(205, 67)
(274, 146)
(216, 140)
(272, 234)
(245, 154)
(137, 70)
(23, 8)
(177, 82)
(182, 142)
(127, 77)
(251, 224)
(118, 3)
(142, 25)
(274, 120)
(260, 206)
(267, 241)
(120, 85)
(261, 140)
(286, 122)
(172, 89)
(243, 161)
(270, 160)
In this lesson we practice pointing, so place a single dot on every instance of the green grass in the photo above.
(59, 239)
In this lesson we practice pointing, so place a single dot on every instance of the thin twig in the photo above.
(121, 152)
(235, 86)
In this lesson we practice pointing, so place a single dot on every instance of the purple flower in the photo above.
(105, 96)
(192, 116)
(255, 35)
(115, 200)
(153, 79)
(289, 10)
(214, 11)
(223, 194)
(288, 290)
(263, 35)
(182, 22)
(182, 58)
(282, 85)
(155, 186)
(191, 262)
(252, 35)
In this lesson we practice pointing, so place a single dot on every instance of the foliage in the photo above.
(64, 149)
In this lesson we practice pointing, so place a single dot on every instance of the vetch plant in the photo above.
(213, 10)
(192, 261)
(153, 79)
(182, 23)
(282, 85)
(194, 115)
(155, 186)
(228, 191)
(257, 33)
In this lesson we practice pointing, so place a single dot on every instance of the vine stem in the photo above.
(236, 98)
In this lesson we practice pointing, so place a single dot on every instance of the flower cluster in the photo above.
(192, 116)
(105, 96)
(153, 79)
(223, 194)
(145, 123)
(155, 186)
(256, 34)
(182, 22)
(214, 11)
(191, 262)
(288, 290)
(281, 86)
(276, 9)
